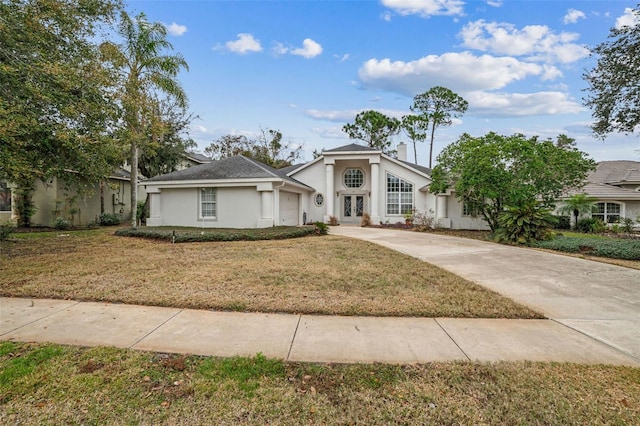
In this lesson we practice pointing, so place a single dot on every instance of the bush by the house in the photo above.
(189, 235)
(109, 219)
(6, 230)
(563, 222)
(524, 224)
(61, 224)
(321, 228)
(590, 225)
(616, 248)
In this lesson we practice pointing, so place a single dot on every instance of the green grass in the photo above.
(73, 385)
(615, 248)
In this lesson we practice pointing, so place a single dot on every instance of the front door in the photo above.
(352, 207)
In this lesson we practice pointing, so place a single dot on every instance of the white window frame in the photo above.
(344, 177)
(399, 203)
(316, 197)
(7, 196)
(605, 213)
(214, 202)
(467, 210)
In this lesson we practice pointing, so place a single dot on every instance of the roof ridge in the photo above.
(260, 165)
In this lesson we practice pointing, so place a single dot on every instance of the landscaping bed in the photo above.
(615, 248)
(190, 235)
(44, 384)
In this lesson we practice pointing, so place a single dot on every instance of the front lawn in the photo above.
(47, 384)
(322, 275)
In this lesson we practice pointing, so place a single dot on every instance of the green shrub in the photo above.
(563, 222)
(6, 230)
(188, 235)
(61, 223)
(591, 225)
(322, 228)
(626, 225)
(109, 219)
(616, 248)
(524, 224)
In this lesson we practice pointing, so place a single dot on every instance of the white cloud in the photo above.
(310, 49)
(425, 8)
(537, 42)
(386, 16)
(520, 104)
(348, 115)
(573, 15)
(244, 44)
(462, 72)
(279, 49)
(175, 29)
(342, 58)
(494, 3)
(628, 19)
(199, 129)
(329, 132)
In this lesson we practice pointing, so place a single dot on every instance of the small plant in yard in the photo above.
(591, 225)
(321, 228)
(524, 224)
(61, 224)
(109, 219)
(626, 225)
(424, 221)
(6, 230)
(333, 221)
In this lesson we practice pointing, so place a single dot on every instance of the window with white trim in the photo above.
(607, 212)
(399, 195)
(5, 197)
(353, 178)
(208, 203)
(469, 209)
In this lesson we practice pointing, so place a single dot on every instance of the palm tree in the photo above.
(145, 72)
(578, 204)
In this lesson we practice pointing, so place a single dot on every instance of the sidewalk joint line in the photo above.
(40, 319)
(156, 329)
(293, 339)
(452, 339)
(596, 339)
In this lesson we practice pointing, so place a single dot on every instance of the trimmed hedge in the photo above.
(190, 235)
(615, 248)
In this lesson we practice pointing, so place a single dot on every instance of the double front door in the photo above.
(352, 207)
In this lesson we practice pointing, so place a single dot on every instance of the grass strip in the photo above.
(46, 384)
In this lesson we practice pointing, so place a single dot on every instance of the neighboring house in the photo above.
(55, 199)
(616, 186)
(344, 182)
(193, 159)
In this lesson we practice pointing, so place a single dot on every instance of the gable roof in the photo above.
(237, 167)
(352, 147)
(197, 157)
(423, 169)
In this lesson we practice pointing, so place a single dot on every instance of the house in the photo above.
(616, 186)
(344, 182)
(56, 198)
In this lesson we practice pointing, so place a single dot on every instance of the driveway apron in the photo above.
(599, 300)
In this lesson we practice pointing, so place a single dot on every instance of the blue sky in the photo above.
(308, 67)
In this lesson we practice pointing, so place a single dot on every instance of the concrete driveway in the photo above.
(597, 299)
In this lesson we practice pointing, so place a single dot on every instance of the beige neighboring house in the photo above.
(57, 199)
(616, 186)
(344, 183)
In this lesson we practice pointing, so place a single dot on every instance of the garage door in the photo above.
(289, 205)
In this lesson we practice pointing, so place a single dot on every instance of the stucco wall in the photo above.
(236, 208)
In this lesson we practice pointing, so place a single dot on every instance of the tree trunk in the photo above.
(134, 184)
(433, 131)
(415, 153)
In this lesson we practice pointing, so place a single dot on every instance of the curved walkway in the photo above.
(594, 310)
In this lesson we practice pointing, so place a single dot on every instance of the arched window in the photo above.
(607, 212)
(399, 195)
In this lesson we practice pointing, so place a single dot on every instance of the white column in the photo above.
(375, 193)
(155, 212)
(266, 209)
(441, 206)
(329, 194)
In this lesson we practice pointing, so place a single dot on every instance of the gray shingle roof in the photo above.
(423, 169)
(353, 147)
(619, 171)
(237, 167)
(197, 157)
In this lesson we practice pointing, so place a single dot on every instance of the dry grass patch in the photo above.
(323, 275)
(44, 384)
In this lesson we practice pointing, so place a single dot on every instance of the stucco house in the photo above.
(344, 182)
(616, 186)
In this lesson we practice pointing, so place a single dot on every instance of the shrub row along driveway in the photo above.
(599, 300)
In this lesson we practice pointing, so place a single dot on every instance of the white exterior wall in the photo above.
(420, 198)
(314, 176)
(458, 221)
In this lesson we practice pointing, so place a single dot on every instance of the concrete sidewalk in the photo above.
(599, 300)
(305, 338)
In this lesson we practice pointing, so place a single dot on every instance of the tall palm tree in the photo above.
(578, 204)
(145, 71)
